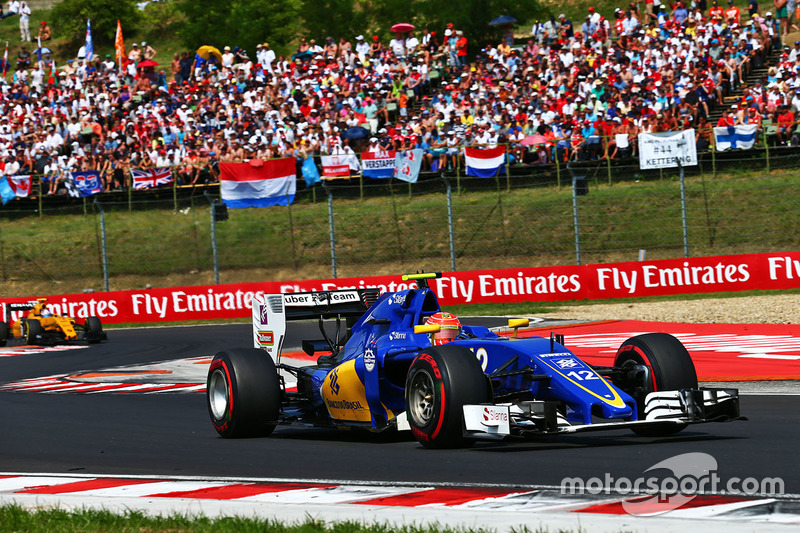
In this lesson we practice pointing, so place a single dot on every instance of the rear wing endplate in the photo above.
(272, 311)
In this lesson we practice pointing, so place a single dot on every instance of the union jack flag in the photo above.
(147, 178)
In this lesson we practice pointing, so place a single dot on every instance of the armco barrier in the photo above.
(544, 284)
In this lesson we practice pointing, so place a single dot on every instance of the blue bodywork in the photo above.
(551, 372)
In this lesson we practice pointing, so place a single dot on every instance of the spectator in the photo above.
(733, 14)
(13, 9)
(786, 123)
(44, 31)
(148, 52)
(24, 20)
(782, 14)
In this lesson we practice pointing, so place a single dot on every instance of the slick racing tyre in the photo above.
(669, 365)
(33, 331)
(94, 329)
(243, 393)
(440, 381)
(3, 333)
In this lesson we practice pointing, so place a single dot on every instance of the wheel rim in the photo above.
(421, 398)
(218, 394)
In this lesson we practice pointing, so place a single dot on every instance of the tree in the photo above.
(69, 19)
(473, 17)
(333, 18)
(243, 23)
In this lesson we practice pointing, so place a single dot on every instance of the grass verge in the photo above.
(14, 518)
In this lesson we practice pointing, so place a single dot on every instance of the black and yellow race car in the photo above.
(37, 324)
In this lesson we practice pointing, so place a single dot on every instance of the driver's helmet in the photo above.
(46, 311)
(450, 327)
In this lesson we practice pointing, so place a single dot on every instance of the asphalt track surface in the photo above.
(171, 435)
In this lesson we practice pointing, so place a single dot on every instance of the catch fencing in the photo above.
(531, 216)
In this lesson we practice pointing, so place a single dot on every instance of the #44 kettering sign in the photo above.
(666, 150)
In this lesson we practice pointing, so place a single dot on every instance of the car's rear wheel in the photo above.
(440, 381)
(33, 331)
(3, 333)
(94, 329)
(243, 393)
(667, 365)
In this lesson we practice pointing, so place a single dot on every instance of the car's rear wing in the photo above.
(12, 311)
(271, 312)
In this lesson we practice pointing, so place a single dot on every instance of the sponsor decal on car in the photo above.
(266, 338)
(320, 298)
(397, 335)
(494, 416)
(568, 362)
(369, 360)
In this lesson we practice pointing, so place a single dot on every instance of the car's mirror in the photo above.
(427, 328)
(517, 323)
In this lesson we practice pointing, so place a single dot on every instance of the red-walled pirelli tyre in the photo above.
(670, 368)
(440, 381)
(243, 393)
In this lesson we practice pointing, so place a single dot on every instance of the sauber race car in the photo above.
(37, 324)
(396, 361)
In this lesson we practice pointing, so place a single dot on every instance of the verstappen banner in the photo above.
(379, 164)
(543, 284)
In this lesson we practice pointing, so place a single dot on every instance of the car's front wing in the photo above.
(679, 407)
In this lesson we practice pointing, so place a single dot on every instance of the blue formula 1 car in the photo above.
(380, 371)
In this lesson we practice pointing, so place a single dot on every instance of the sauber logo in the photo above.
(566, 363)
(493, 416)
(263, 315)
(265, 338)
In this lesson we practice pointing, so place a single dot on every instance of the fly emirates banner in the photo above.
(539, 284)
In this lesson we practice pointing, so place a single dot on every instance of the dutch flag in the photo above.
(258, 183)
(485, 163)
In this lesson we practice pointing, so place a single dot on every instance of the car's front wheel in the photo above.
(441, 380)
(94, 329)
(667, 365)
(33, 331)
(243, 393)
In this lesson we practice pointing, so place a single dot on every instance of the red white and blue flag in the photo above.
(258, 183)
(379, 164)
(82, 184)
(485, 162)
(147, 178)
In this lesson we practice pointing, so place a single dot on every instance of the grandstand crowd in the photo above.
(573, 90)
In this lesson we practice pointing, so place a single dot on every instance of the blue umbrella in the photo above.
(356, 132)
(502, 20)
(302, 56)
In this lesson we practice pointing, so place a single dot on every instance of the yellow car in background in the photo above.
(41, 326)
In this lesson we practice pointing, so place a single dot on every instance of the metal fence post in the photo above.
(450, 228)
(214, 254)
(766, 147)
(575, 213)
(103, 243)
(679, 159)
(332, 231)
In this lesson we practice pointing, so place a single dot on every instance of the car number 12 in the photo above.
(482, 356)
(582, 375)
